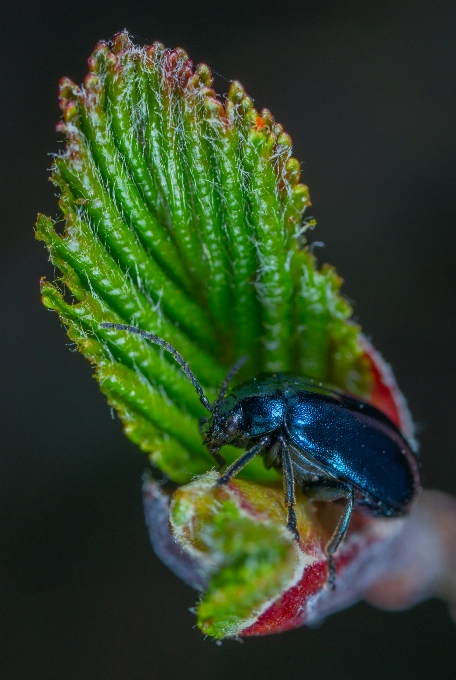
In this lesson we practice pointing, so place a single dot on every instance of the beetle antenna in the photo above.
(169, 348)
(229, 377)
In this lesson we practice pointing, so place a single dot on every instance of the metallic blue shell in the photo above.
(348, 438)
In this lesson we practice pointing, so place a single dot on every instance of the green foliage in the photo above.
(260, 555)
(183, 215)
(239, 531)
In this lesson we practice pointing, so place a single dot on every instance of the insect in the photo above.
(335, 446)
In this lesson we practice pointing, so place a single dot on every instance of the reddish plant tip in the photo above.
(68, 89)
(69, 109)
(259, 122)
(91, 81)
(204, 73)
(267, 117)
(121, 41)
(293, 171)
(236, 92)
(155, 50)
(178, 68)
(101, 46)
(61, 127)
(182, 54)
(277, 129)
(283, 139)
(98, 56)
(216, 110)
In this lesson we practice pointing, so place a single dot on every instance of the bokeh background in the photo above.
(367, 91)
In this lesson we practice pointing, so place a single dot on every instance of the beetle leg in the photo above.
(272, 458)
(242, 461)
(219, 459)
(289, 488)
(328, 490)
(339, 533)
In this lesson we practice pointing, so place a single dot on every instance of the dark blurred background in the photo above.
(367, 91)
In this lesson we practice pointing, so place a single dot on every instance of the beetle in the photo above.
(334, 445)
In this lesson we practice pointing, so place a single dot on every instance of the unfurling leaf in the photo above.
(183, 215)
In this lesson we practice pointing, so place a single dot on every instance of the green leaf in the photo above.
(183, 215)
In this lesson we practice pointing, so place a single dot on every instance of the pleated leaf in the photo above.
(183, 214)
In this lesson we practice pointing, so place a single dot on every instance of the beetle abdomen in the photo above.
(362, 448)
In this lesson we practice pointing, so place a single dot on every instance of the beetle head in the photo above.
(223, 426)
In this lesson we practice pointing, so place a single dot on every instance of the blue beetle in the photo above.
(334, 445)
